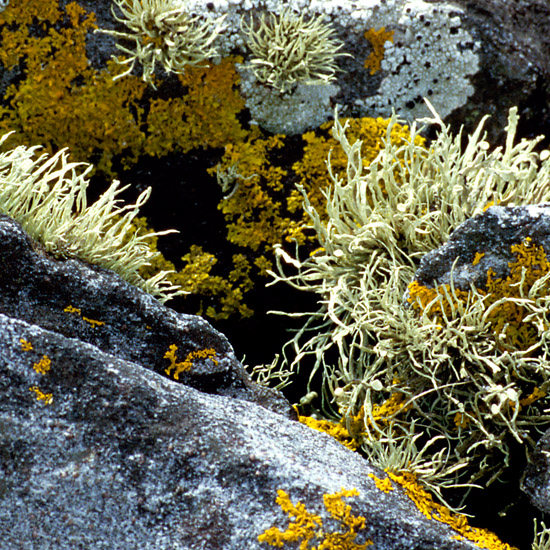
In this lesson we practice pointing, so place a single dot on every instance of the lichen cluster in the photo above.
(306, 528)
(466, 378)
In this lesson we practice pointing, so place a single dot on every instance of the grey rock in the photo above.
(535, 482)
(124, 457)
(492, 234)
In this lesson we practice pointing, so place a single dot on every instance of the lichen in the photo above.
(459, 522)
(305, 529)
(287, 48)
(377, 39)
(177, 367)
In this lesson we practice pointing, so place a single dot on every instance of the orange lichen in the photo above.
(384, 485)
(25, 345)
(187, 363)
(204, 116)
(335, 429)
(43, 366)
(93, 322)
(506, 318)
(432, 510)
(377, 39)
(41, 396)
(306, 528)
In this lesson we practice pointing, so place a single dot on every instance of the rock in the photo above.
(536, 477)
(491, 235)
(67, 297)
(100, 449)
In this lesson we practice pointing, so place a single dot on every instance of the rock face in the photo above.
(484, 242)
(99, 450)
(536, 478)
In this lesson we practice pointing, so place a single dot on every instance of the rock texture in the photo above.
(492, 234)
(97, 450)
(536, 478)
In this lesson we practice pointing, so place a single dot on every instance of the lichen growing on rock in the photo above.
(367, 345)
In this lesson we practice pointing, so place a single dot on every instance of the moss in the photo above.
(306, 528)
(377, 39)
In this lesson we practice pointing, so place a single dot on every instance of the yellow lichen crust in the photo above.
(377, 39)
(384, 485)
(47, 398)
(432, 510)
(505, 301)
(176, 368)
(204, 116)
(43, 366)
(307, 530)
(25, 345)
(92, 322)
(334, 429)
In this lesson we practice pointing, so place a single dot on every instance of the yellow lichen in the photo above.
(187, 363)
(506, 317)
(334, 429)
(43, 366)
(432, 510)
(204, 116)
(377, 39)
(25, 345)
(93, 322)
(41, 396)
(384, 485)
(305, 528)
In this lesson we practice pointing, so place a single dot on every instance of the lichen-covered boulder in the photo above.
(99, 449)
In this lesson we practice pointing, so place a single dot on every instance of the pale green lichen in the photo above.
(541, 538)
(367, 345)
(165, 33)
(47, 196)
(287, 49)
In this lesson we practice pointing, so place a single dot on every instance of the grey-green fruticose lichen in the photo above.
(447, 379)
(287, 49)
(164, 33)
(47, 196)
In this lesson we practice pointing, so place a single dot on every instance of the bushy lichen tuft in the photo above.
(464, 376)
(287, 49)
(165, 33)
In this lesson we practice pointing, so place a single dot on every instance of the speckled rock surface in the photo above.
(97, 450)
(136, 327)
(536, 478)
(491, 234)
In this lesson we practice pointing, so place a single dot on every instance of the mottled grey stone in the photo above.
(536, 477)
(124, 457)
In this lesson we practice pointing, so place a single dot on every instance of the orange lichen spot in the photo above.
(536, 394)
(334, 429)
(305, 528)
(93, 322)
(377, 39)
(187, 363)
(506, 317)
(43, 366)
(432, 510)
(461, 420)
(477, 257)
(25, 345)
(41, 396)
(385, 485)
